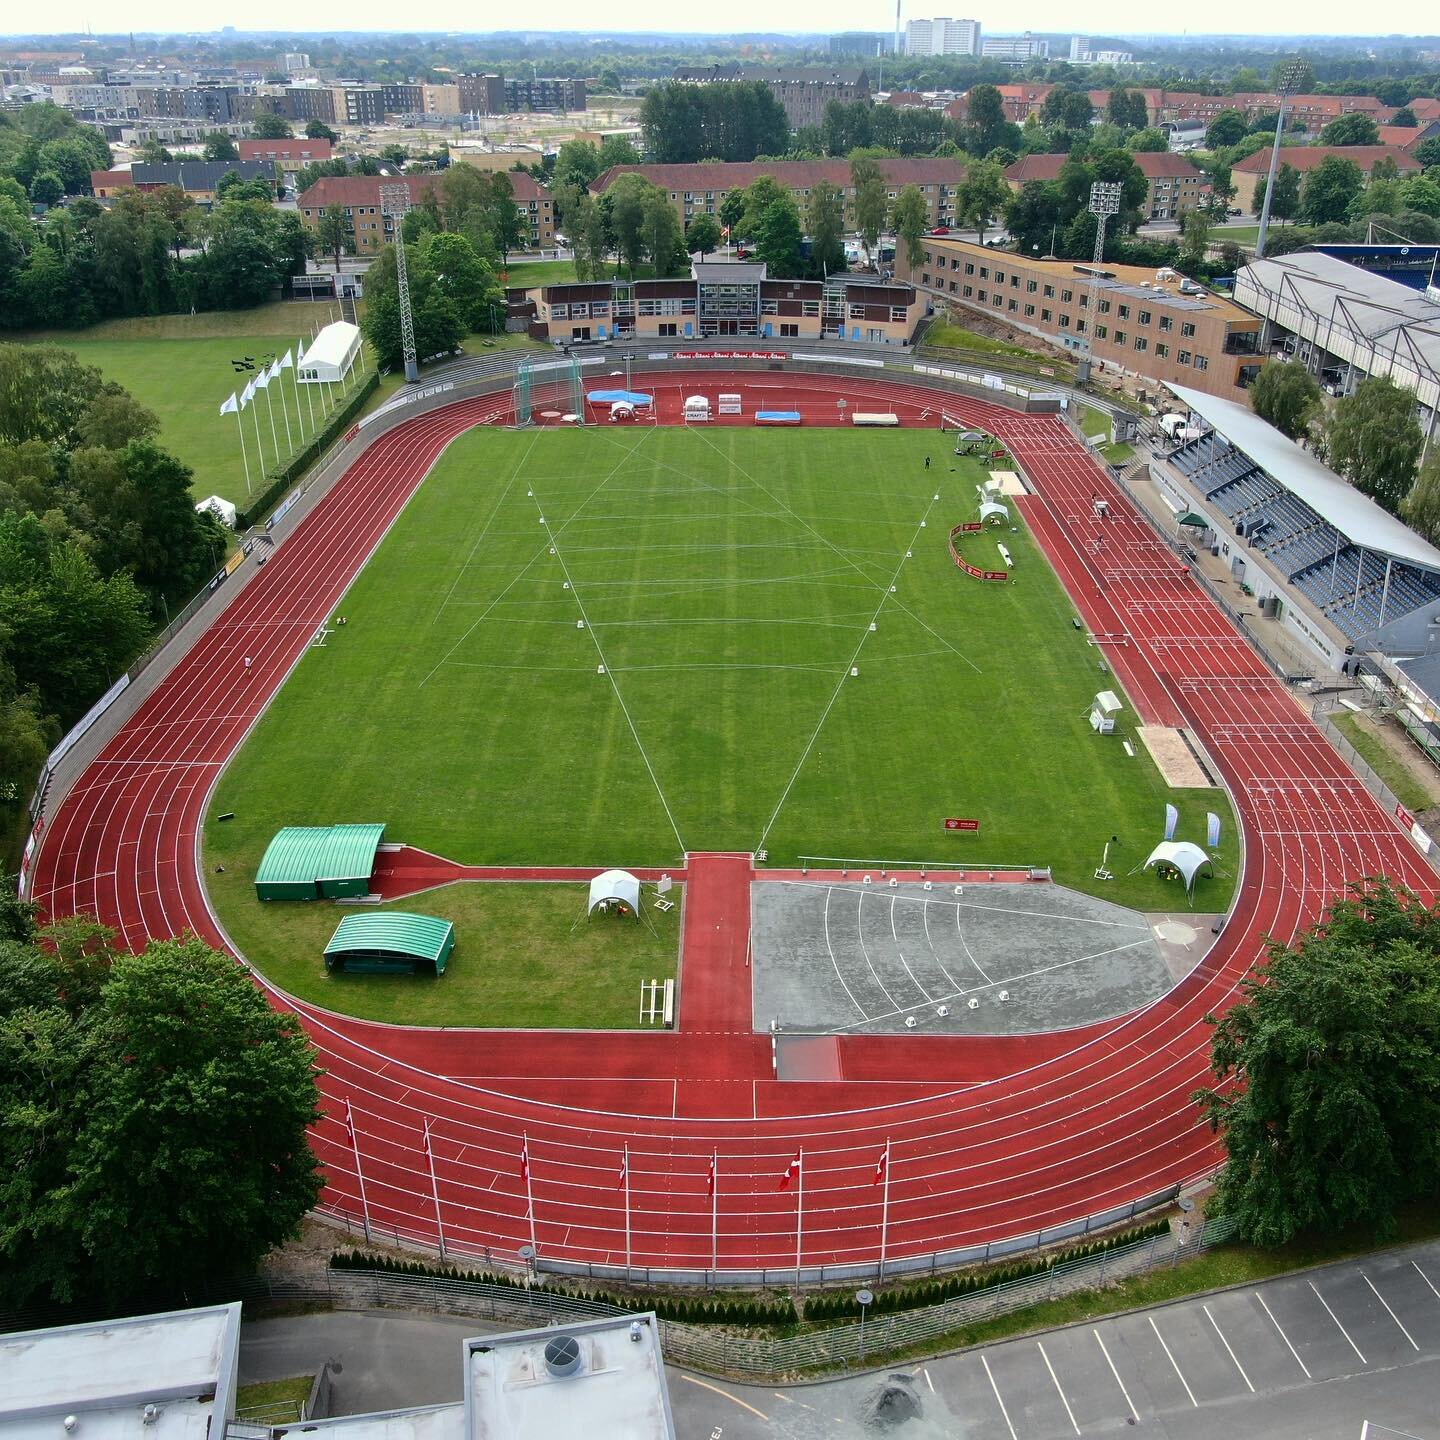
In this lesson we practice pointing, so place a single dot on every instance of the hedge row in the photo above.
(294, 469)
(739, 1310)
(840, 1304)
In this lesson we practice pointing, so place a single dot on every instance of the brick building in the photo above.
(726, 300)
(481, 94)
(289, 155)
(1248, 176)
(702, 189)
(1152, 323)
(1176, 184)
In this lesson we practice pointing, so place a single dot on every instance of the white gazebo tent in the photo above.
(994, 513)
(331, 355)
(220, 507)
(1184, 855)
(614, 887)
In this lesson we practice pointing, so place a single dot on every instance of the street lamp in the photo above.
(1105, 197)
(864, 1299)
(1293, 74)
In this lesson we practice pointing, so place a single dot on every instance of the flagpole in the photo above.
(715, 1210)
(244, 458)
(260, 449)
(435, 1191)
(529, 1194)
(627, 1211)
(309, 399)
(285, 407)
(799, 1210)
(885, 1210)
(359, 1171)
(270, 411)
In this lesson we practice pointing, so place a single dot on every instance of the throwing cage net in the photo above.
(562, 392)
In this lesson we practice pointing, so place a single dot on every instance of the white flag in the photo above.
(274, 372)
(262, 380)
(1212, 829)
(1172, 817)
(230, 407)
(299, 351)
(283, 364)
(248, 396)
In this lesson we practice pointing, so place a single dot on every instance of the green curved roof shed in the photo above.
(390, 941)
(313, 862)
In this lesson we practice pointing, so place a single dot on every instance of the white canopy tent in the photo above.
(614, 887)
(994, 513)
(1184, 855)
(331, 355)
(220, 507)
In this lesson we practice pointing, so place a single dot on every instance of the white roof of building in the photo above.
(1354, 515)
(332, 346)
(183, 1363)
(430, 1422)
(616, 1390)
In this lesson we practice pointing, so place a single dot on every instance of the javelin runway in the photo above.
(991, 1137)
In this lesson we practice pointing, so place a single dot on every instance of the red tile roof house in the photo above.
(1176, 183)
(1249, 175)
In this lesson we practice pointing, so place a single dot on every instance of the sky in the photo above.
(1240, 17)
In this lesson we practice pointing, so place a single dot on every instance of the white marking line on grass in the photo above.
(489, 521)
(1171, 1358)
(1427, 1280)
(1228, 1350)
(836, 549)
(999, 1399)
(1389, 1311)
(1074, 1425)
(1336, 1319)
(840, 681)
(1135, 1414)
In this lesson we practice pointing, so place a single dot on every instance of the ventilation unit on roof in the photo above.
(562, 1356)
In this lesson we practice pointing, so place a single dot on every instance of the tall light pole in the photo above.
(395, 203)
(1293, 74)
(1105, 197)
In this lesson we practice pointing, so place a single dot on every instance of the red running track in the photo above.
(990, 1138)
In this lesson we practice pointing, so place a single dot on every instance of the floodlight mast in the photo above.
(395, 203)
(1292, 76)
(1105, 198)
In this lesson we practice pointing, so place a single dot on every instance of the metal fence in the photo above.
(717, 1349)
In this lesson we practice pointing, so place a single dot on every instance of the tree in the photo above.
(219, 146)
(1405, 118)
(1151, 141)
(703, 235)
(1374, 440)
(1329, 189)
(439, 326)
(1127, 109)
(319, 130)
(1033, 214)
(1422, 505)
(825, 220)
(732, 209)
(777, 237)
(462, 279)
(1352, 129)
(983, 195)
(911, 219)
(332, 232)
(1427, 152)
(871, 202)
(1195, 226)
(1421, 193)
(1285, 204)
(153, 1119)
(1327, 1094)
(625, 200)
(740, 120)
(267, 125)
(1227, 128)
(664, 241)
(1287, 395)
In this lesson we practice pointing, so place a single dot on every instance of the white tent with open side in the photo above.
(614, 888)
(220, 507)
(331, 355)
(1181, 855)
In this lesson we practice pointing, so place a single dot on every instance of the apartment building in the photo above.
(725, 300)
(804, 91)
(359, 197)
(1248, 176)
(702, 189)
(1015, 49)
(481, 94)
(1175, 183)
(1152, 323)
(544, 93)
(197, 178)
(942, 36)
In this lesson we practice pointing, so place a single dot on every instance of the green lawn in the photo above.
(539, 272)
(947, 333)
(525, 956)
(1240, 234)
(727, 580)
(274, 1402)
(1407, 789)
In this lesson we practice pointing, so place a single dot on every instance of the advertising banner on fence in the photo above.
(730, 355)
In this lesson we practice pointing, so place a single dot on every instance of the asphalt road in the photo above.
(1312, 1357)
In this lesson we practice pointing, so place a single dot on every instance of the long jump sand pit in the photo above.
(1174, 757)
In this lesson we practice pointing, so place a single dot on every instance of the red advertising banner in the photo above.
(730, 355)
(955, 824)
(1404, 816)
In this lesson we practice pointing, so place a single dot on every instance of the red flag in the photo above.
(624, 1169)
(525, 1159)
(710, 1179)
(791, 1171)
(880, 1165)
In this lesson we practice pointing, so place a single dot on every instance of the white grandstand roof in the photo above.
(1354, 515)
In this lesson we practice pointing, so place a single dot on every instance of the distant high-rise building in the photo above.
(1015, 49)
(296, 60)
(942, 36)
(862, 44)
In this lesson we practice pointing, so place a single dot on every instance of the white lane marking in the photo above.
(1427, 1280)
(1389, 1311)
(928, 1380)
(1336, 1319)
(1171, 1358)
(1133, 1411)
(999, 1399)
(1228, 1350)
(1058, 1390)
(1283, 1335)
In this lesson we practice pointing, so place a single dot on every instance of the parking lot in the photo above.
(1311, 1356)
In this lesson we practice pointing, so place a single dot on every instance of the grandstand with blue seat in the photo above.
(1348, 560)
